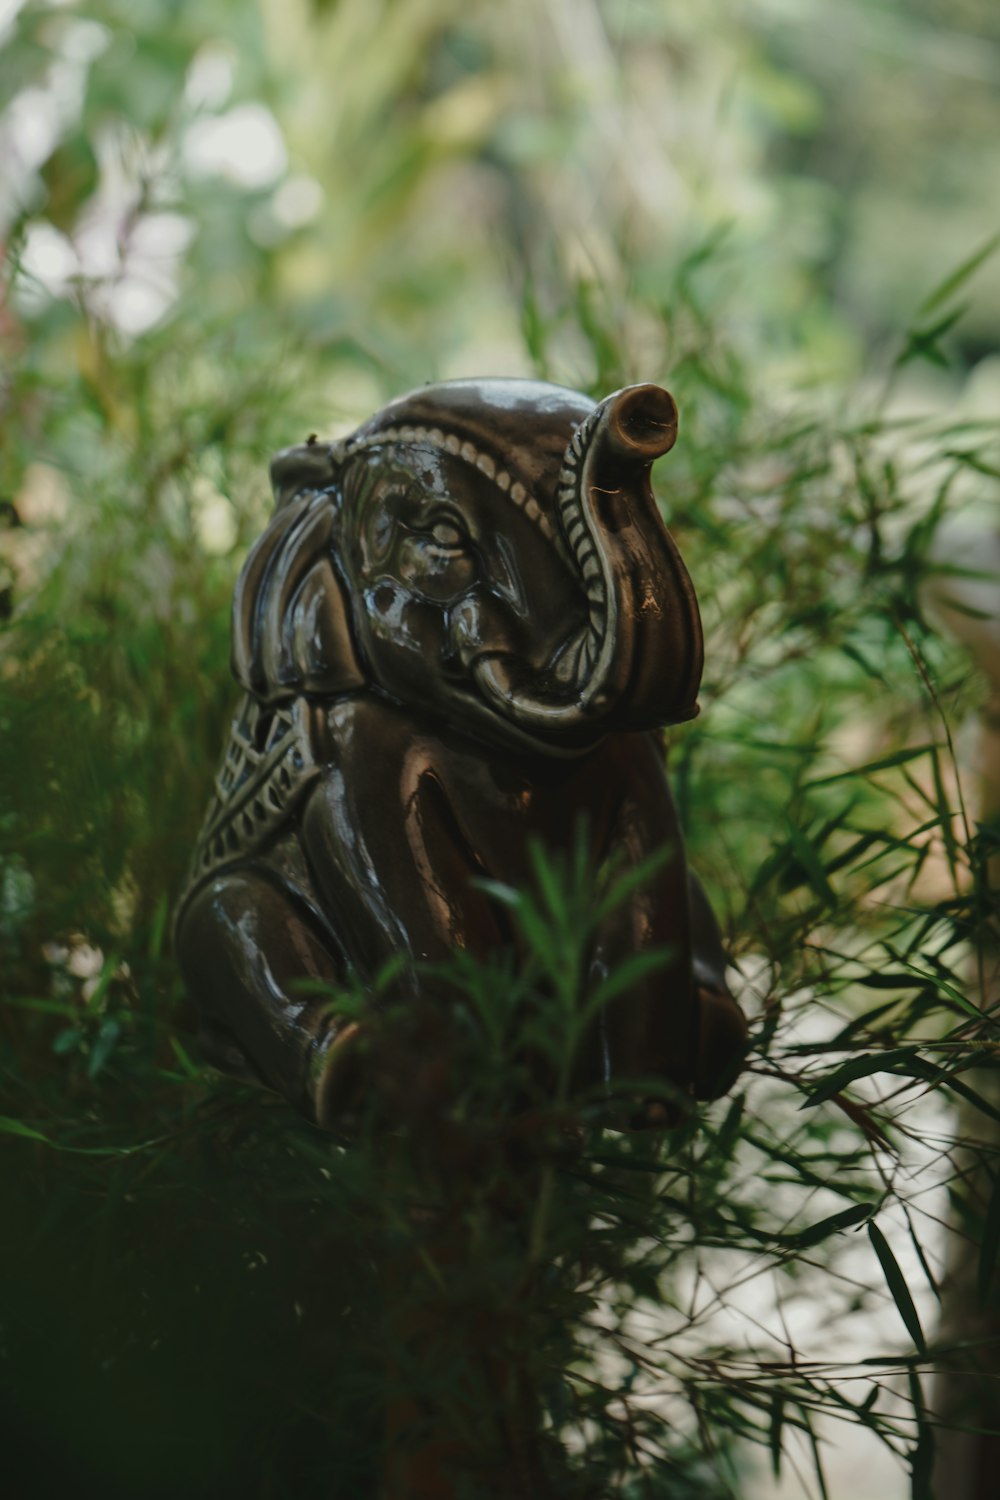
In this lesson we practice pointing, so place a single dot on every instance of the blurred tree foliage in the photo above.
(225, 225)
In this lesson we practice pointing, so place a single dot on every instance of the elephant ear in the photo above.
(291, 631)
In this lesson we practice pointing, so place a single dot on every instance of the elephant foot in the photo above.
(722, 1043)
(337, 1075)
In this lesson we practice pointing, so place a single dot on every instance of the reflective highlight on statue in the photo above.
(457, 634)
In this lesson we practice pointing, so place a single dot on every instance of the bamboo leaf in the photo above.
(67, 1041)
(9, 1126)
(725, 1140)
(892, 981)
(970, 459)
(629, 880)
(188, 1066)
(108, 970)
(921, 1256)
(961, 274)
(859, 1067)
(922, 1454)
(506, 895)
(884, 763)
(896, 1282)
(104, 1047)
(158, 926)
(552, 889)
(811, 865)
(835, 1224)
(990, 1245)
(817, 1461)
(940, 1078)
(922, 343)
(777, 1424)
(944, 812)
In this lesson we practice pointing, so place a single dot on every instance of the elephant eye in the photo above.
(449, 536)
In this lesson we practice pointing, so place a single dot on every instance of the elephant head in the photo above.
(488, 551)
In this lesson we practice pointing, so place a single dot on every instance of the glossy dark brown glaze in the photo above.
(454, 639)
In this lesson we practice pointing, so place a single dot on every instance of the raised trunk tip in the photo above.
(641, 422)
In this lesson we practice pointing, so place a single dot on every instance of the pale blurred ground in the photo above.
(856, 1464)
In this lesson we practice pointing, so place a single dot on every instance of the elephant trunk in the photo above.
(636, 661)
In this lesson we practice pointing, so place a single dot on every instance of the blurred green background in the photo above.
(385, 190)
(228, 224)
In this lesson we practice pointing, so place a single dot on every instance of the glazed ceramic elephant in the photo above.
(459, 632)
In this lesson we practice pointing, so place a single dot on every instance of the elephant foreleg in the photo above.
(678, 1021)
(245, 945)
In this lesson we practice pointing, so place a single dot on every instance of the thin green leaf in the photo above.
(922, 343)
(990, 1245)
(728, 1133)
(859, 1067)
(884, 763)
(944, 812)
(158, 926)
(9, 1126)
(626, 882)
(774, 1437)
(920, 1254)
(922, 1454)
(896, 1282)
(104, 1046)
(43, 1007)
(507, 895)
(970, 459)
(108, 970)
(189, 1067)
(894, 981)
(835, 1224)
(939, 1077)
(551, 887)
(817, 1461)
(67, 1041)
(810, 862)
(957, 278)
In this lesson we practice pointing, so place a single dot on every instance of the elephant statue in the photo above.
(461, 629)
